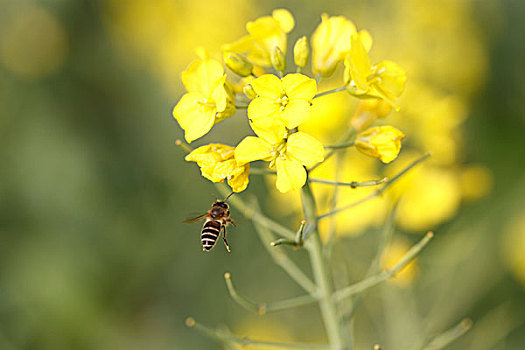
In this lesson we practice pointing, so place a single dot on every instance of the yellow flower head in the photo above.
(331, 44)
(209, 99)
(217, 163)
(383, 142)
(287, 100)
(385, 80)
(289, 154)
(265, 34)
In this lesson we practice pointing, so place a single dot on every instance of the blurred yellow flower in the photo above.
(217, 163)
(475, 181)
(367, 111)
(513, 247)
(209, 99)
(383, 142)
(265, 34)
(33, 42)
(289, 154)
(287, 100)
(385, 80)
(428, 195)
(330, 43)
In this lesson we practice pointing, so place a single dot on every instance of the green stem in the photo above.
(383, 276)
(444, 339)
(264, 308)
(320, 271)
(241, 107)
(353, 184)
(341, 88)
(346, 136)
(282, 260)
(229, 339)
(379, 191)
(341, 145)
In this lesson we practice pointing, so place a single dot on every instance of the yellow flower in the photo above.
(367, 111)
(383, 142)
(287, 99)
(209, 99)
(331, 44)
(217, 163)
(385, 80)
(265, 34)
(289, 154)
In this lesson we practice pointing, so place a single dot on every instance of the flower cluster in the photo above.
(280, 102)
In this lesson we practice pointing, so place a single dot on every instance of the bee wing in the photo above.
(191, 220)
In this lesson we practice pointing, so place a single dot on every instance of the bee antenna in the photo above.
(225, 199)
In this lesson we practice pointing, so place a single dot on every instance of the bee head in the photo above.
(221, 204)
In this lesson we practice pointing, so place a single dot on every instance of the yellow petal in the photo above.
(202, 76)
(290, 175)
(261, 107)
(193, 119)
(239, 182)
(305, 149)
(299, 86)
(366, 39)
(285, 19)
(393, 77)
(252, 148)
(357, 64)
(267, 85)
(219, 95)
(330, 43)
(270, 129)
(295, 113)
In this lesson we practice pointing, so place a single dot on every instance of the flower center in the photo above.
(282, 101)
(206, 105)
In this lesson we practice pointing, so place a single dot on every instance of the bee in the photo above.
(217, 218)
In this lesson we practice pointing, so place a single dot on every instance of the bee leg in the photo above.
(224, 239)
(230, 221)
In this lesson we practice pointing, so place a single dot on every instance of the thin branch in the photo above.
(352, 184)
(341, 145)
(281, 259)
(264, 308)
(228, 339)
(297, 242)
(446, 338)
(244, 302)
(341, 88)
(344, 138)
(186, 148)
(387, 232)
(379, 191)
(383, 276)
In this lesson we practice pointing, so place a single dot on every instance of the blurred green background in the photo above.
(93, 189)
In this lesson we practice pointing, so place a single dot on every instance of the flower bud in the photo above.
(383, 142)
(238, 64)
(249, 91)
(301, 52)
(367, 111)
(278, 59)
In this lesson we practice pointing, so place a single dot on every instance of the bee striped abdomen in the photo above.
(210, 233)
